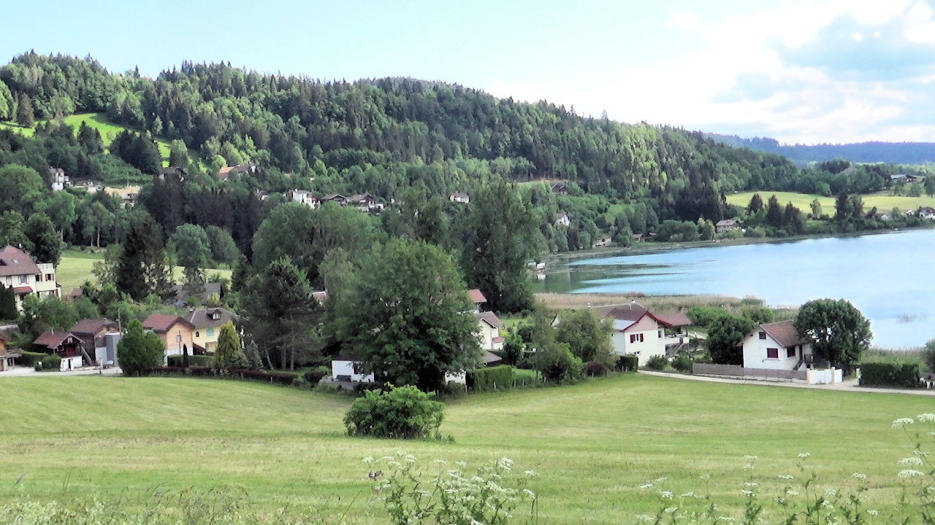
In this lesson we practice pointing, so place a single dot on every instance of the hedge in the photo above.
(30, 358)
(493, 378)
(890, 374)
(283, 378)
(628, 363)
(49, 362)
(193, 360)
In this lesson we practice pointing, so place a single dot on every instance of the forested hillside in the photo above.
(888, 152)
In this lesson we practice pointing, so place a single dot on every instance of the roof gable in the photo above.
(14, 261)
(164, 322)
(783, 332)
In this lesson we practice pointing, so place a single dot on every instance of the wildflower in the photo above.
(410, 458)
(792, 492)
(747, 492)
(804, 455)
(670, 510)
(873, 512)
(787, 477)
(368, 460)
(645, 517)
(858, 475)
(646, 486)
(460, 464)
(911, 462)
(531, 473)
(441, 462)
(725, 518)
(751, 484)
(665, 494)
(660, 480)
(926, 418)
(529, 493)
(903, 421)
(689, 494)
(910, 473)
(505, 464)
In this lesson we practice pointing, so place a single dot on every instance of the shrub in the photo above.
(193, 360)
(400, 413)
(315, 375)
(682, 363)
(628, 363)
(31, 358)
(492, 378)
(283, 378)
(137, 351)
(50, 362)
(928, 356)
(595, 369)
(890, 374)
(657, 362)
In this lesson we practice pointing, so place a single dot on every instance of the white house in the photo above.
(727, 225)
(20, 272)
(346, 367)
(58, 178)
(460, 197)
(775, 346)
(639, 332)
(563, 220)
(488, 325)
(927, 213)
(303, 197)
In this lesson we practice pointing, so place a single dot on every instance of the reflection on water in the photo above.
(887, 276)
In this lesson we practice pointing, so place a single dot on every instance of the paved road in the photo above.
(849, 385)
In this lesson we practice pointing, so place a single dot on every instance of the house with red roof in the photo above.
(19, 271)
(776, 346)
(94, 335)
(176, 333)
(637, 331)
(64, 344)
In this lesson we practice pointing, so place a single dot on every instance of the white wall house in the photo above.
(488, 327)
(303, 197)
(775, 346)
(637, 332)
(344, 368)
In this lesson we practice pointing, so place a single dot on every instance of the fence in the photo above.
(708, 369)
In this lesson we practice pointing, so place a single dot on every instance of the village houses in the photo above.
(26, 277)
(637, 331)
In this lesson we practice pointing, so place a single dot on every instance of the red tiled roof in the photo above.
(629, 312)
(672, 319)
(52, 339)
(476, 296)
(163, 322)
(783, 333)
(14, 261)
(22, 289)
(489, 318)
(92, 326)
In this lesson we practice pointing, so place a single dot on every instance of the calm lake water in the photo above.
(889, 277)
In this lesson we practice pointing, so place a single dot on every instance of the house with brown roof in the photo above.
(477, 297)
(25, 276)
(207, 323)
(637, 331)
(176, 333)
(726, 225)
(65, 345)
(93, 336)
(776, 346)
(488, 327)
(364, 202)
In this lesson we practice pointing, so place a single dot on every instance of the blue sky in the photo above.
(801, 71)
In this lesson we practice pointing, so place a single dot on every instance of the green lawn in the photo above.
(75, 268)
(882, 200)
(99, 121)
(593, 444)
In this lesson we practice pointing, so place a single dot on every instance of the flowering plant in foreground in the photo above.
(490, 495)
(800, 501)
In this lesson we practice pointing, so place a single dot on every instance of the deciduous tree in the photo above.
(192, 251)
(838, 331)
(724, 335)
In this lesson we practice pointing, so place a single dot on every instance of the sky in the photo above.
(800, 71)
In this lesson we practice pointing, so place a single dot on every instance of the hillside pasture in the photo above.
(593, 444)
(883, 201)
(76, 266)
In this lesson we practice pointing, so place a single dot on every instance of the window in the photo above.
(772, 353)
(197, 334)
(22, 279)
(790, 352)
(210, 332)
(632, 338)
(763, 335)
(660, 334)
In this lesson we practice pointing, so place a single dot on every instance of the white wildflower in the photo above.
(670, 510)
(645, 517)
(660, 480)
(441, 462)
(804, 455)
(505, 464)
(665, 494)
(747, 492)
(910, 473)
(873, 512)
(531, 473)
(858, 475)
(926, 418)
(646, 486)
(689, 494)
(705, 476)
(787, 477)
(903, 421)
(910, 462)
(460, 464)
(725, 518)
(751, 484)
(529, 493)
(368, 460)
(792, 492)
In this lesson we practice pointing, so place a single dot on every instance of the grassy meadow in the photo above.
(803, 201)
(593, 444)
(99, 121)
(76, 265)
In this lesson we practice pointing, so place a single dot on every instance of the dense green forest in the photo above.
(404, 141)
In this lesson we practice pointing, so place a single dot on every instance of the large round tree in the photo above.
(838, 331)
(407, 316)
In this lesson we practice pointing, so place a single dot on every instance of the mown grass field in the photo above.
(883, 201)
(593, 444)
(99, 121)
(75, 268)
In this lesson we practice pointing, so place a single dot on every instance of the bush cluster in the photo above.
(595, 369)
(492, 378)
(49, 362)
(315, 375)
(682, 363)
(628, 363)
(283, 378)
(400, 413)
(193, 360)
(657, 362)
(890, 374)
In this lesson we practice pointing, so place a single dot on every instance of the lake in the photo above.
(886, 276)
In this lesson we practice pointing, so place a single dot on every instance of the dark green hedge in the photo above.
(30, 358)
(493, 378)
(49, 362)
(628, 363)
(193, 360)
(890, 374)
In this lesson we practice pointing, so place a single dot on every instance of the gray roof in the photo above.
(211, 317)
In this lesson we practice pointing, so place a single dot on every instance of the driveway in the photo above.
(849, 385)
(26, 371)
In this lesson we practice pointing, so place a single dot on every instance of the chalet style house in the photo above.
(20, 272)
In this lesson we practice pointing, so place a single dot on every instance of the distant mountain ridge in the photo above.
(890, 152)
